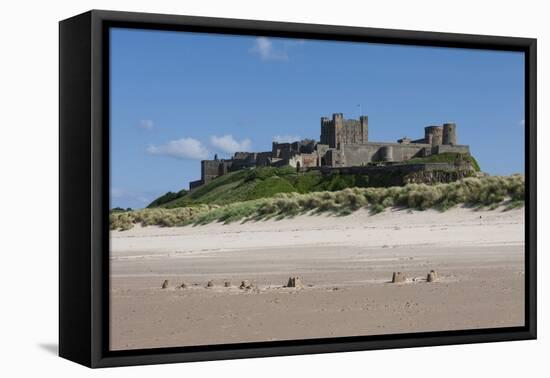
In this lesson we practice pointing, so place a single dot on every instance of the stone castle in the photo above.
(343, 143)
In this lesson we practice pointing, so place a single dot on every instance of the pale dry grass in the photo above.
(491, 192)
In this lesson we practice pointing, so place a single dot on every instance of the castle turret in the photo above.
(325, 125)
(386, 153)
(449, 133)
(433, 135)
(364, 121)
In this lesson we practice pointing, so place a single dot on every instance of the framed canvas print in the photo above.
(235, 188)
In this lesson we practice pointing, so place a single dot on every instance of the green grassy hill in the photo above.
(265, 182)
(258, 183)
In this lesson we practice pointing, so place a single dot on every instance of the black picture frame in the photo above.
(84, 187)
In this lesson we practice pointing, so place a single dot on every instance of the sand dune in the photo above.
(345, 264)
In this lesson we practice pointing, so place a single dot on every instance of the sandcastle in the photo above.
(398, 277)
(294, 282)
(245, 285)
(432, 276)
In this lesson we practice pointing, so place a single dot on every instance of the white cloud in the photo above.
(230, 145)
(146, 124)
(184, 148)
(522, 123)
(286, 138)
(263, 46)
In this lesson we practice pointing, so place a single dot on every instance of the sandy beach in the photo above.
(345, 264)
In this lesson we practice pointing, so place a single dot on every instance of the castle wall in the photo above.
(321, 153)
(263, 158)
(243, 160)
(244, 156)
(461, 149)
(361, 154)
(210, 169)
(306, 146)
(404, 168)
(309, 160)
(401, 174)
(355, 154)
(284, 150)
(195, 184)
(303, 160)
(403, 152)
(334, 158)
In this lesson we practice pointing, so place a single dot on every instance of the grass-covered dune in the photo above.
(264, 182)
(490, 191)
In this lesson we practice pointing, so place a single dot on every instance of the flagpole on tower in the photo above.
(359, 106)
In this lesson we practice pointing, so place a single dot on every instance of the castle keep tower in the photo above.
(339, 131)
(449, 134)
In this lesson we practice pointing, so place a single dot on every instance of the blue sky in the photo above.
(178, 97)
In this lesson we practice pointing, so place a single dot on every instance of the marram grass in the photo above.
(490, 192)
(157, 216)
